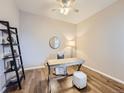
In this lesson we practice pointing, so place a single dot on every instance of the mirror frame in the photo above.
(52, 39)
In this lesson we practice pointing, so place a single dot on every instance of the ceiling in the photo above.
(86, 8)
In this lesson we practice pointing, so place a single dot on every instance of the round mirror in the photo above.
(54, 42)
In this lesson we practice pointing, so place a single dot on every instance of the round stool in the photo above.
(79, 79)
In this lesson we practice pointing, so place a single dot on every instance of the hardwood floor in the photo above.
(36, 82)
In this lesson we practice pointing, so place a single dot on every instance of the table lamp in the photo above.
(71, 44)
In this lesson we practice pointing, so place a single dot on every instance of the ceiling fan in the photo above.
(65, 6)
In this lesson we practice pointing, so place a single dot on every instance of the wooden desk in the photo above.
(63, 62)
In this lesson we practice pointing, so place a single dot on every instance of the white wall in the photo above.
(100, 40)
(35, 34)
(8, 12)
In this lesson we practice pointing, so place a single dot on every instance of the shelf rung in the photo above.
(14, 82)
(8, 44)
(4, 23)
(11, 83)
(12, 28)
(11, 70)
(6, 31)
(11, 57)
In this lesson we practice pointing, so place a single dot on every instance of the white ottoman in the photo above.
(79, 79)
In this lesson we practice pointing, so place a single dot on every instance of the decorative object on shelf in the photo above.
(12, 65)
(1, 56)
(12, 39)
(15, 52)
(4, 40)
(54, 42)
(9, 65)
(12, 58)
(7, 54)
(0, 39)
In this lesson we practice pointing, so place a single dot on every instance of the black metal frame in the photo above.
(9, 31)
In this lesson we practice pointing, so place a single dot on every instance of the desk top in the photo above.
(66, 61)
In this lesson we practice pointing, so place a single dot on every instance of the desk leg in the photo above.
(49, 86)
(48, 73)
(79, 67)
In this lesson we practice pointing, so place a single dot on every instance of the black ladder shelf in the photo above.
(14, 57)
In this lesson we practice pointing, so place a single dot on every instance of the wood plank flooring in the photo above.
(36, 82)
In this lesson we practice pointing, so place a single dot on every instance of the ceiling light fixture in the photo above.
(65, 6)
(64, 11)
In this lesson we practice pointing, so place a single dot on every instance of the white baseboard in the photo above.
(1, 91)
(113, 78)
(36, 67)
